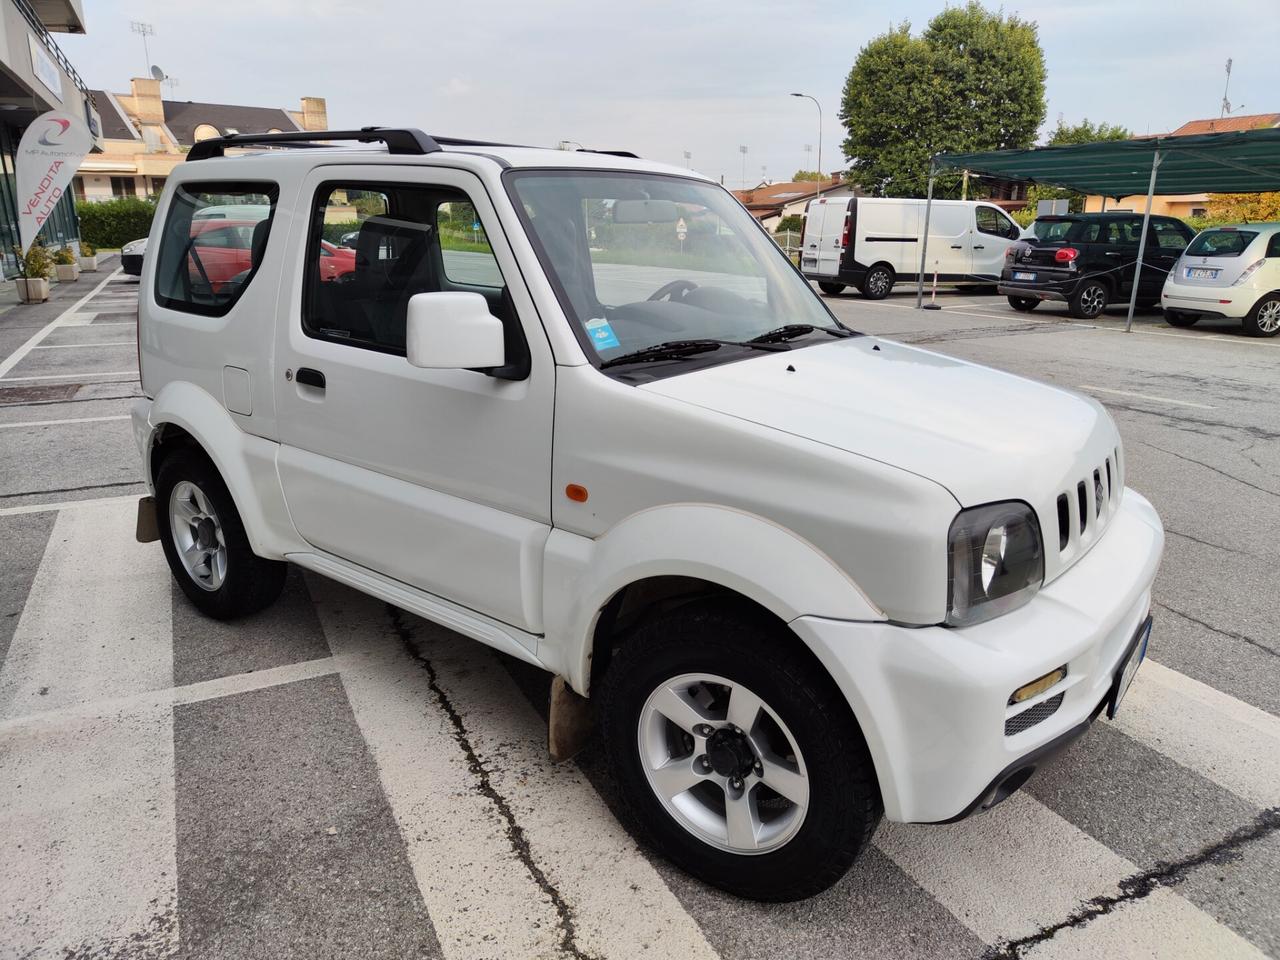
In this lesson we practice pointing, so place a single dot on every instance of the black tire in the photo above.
(250, 583)
(1264, 319)
(1024, 304)
(878, 282)
(831, 289)
(1089, 299)
(744, 646)
(1175, 319)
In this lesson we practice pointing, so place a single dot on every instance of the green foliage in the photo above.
(974, 80)
(1024, 216)
(113, 223)
(37, 264)
(1244, 207)
(333, 231)
(370, 205)
(1087, 132)
(809, 176)
(793, 223)
(63, 257)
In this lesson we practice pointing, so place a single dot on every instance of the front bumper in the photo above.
(131, 263)
(1208, 301)
(932, 701)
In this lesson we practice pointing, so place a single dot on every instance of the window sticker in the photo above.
(601, 334)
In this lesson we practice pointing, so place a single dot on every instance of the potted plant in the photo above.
(33, 273)
(65, 262)
(88, 257)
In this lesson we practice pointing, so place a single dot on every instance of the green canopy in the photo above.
(1244, 162)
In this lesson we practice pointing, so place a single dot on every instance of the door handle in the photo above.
(309, 377)
(959, 246)
(978, 246)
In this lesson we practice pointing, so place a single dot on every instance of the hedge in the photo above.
(113, 223)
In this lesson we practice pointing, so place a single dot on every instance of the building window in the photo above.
(1199, 211)
(205, 131)
(77, 184)
(124, 187)
(157, 185)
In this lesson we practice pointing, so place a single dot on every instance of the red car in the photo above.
(222, 250)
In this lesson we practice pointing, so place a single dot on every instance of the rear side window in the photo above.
(1221, 243)
(1273, 246)
(1124, 231)
(1168, 236)
(213, 240)
(1052, 230)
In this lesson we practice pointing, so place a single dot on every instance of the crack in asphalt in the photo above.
(1218, 630)
(988, 333)
(1209, 466)
(1185, 422)
(46, 403)
(90, 486)
(484, 786)
(1140, 885)
(1209, 543)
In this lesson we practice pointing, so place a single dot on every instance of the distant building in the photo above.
(1187, 204)
(146, 136)
(770, 202)
(36, 76)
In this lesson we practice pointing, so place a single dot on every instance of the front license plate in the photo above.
(1024, 276)
(1201, 273)
(1129, 669)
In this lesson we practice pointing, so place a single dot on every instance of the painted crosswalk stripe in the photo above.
(1007, 872)
(477, 889)
(1223, 739)
(87, 834)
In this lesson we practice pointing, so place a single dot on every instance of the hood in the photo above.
(983, 434)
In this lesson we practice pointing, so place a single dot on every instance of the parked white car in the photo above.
(807, 577)
(871, 243)
(1231, 272)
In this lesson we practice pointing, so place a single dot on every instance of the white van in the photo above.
(873, 242)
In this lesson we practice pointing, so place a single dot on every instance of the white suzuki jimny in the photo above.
(581, 408)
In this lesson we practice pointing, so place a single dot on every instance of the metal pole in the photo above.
(924, 247)
(819, 106)
(1142, 241)
(1104, 204)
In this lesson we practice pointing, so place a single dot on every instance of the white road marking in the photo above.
(1145, 396)
(56, 423)
(66, 505)
(82, 346)
(9, 362)
(77, 377)
(87, 832)
(1008, 872)
(621, 906)
(1225, 740)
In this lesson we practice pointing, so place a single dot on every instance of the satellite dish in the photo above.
(157, 73)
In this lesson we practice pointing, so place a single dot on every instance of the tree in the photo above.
(1063, 135)
(809, 176)
(1245, 207)
(974, 80)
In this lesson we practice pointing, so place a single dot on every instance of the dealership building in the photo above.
(36, 76)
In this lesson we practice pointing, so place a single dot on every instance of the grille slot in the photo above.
(1082, 498)
(1029, 718)
(1064, 521)
(1084, 511)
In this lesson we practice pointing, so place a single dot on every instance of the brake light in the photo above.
(844, 234)
(1066, 255)
(1010, 253)
(804, 225)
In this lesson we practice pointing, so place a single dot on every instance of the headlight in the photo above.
(997, 561)
(135, 246)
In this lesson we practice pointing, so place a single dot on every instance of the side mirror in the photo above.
(452, 331)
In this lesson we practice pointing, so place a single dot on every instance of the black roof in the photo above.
(113, 125)
(183, 116)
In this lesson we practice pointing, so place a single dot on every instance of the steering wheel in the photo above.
(673, 291)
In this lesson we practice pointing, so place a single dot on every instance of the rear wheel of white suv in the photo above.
(205, 542)
(1264, 319)
(735, 756)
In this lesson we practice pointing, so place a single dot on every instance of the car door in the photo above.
(993, 231)
(1119, 248)
(439, 479)
(1165, 242)
(950, 239)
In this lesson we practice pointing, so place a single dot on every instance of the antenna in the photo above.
(157, 73)
(1226, 104)
(170, 82)
(146, 30)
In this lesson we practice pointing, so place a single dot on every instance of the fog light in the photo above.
(1040, 685)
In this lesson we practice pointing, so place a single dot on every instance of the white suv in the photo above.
(581, 408)
(1231, 272)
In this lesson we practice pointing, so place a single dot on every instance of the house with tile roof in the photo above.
(144, 136)
(770, 202)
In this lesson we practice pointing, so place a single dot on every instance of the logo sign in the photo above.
(682, 229)
(44, 68)
(50, 151)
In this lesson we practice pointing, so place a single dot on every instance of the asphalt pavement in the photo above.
(337, 778)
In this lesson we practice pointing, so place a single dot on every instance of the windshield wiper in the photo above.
(792, 330)
(679, 349)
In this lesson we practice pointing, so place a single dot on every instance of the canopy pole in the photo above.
(924, 246)
(1142, 241)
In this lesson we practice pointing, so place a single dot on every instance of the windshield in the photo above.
(642, 260)
(1220, 243)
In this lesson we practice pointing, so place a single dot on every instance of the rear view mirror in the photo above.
(645, 211)
(452, 331)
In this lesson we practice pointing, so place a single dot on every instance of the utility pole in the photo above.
(1226, 104)
(146, 30)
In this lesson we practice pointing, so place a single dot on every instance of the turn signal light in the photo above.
(1039, 685)
(1066, 254)
(576, 492)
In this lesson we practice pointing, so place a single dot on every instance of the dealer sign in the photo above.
(51, 150)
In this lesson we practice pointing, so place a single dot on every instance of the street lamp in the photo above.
(743, 151)
(819, 106)
(688, 159)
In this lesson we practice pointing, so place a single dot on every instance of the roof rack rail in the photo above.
(399, 140)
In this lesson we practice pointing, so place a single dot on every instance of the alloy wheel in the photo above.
(1269, 316)
(1092, 300)
(198, 536)
(878, 282)
(723, 764)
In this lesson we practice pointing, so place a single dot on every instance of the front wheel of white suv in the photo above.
(735, 756)
(205, 542)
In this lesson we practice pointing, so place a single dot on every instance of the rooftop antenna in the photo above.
(170, 82)
(1226, 104)
(146, 30)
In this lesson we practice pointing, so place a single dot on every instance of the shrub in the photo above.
(791, 223)
(36, 264)
(333, 231)
(113, 223)
(87, 249)
(64, 257)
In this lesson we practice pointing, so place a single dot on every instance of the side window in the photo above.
(464, 248)
(1168, 236)
(1273, 246)
(990, 221)
(213, 240)
(375, 245)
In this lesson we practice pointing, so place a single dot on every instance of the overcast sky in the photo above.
(655, 76)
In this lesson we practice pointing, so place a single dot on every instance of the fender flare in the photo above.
(246, 463)
(743, 552)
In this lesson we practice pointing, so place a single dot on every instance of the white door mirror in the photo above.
(452, 331)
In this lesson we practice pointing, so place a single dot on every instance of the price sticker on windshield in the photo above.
(601, 334)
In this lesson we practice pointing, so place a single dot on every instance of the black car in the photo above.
(1087, 260)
